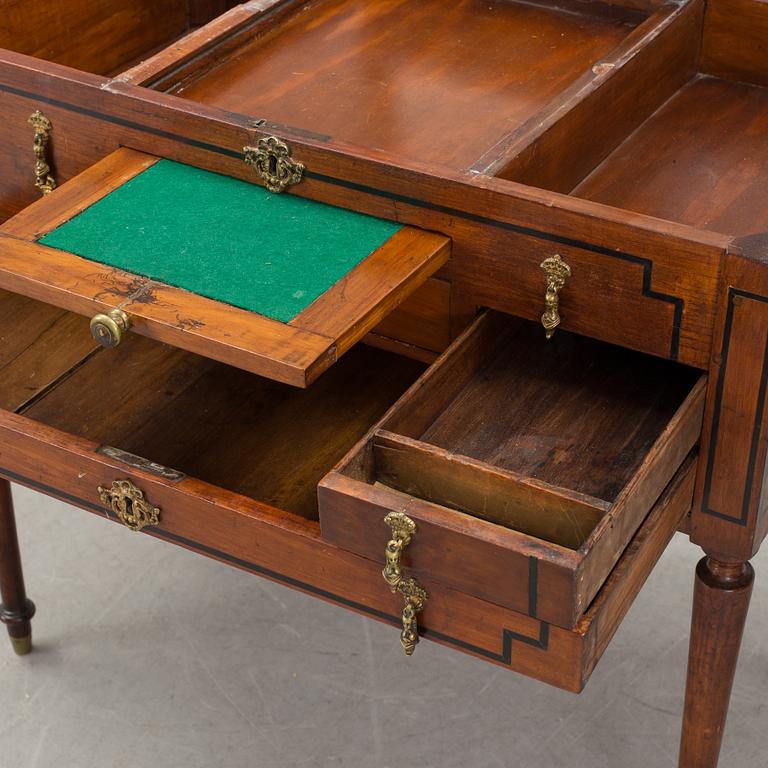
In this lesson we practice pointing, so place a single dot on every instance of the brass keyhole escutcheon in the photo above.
(557, 272)
(108, 329)
(415, 596)
(129, 504)
(271, 159)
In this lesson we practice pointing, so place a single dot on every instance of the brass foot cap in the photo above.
(22, 645)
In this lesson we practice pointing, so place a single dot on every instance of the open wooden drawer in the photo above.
(362, 72)
(526, 465)
(230, 461)
(273, 284)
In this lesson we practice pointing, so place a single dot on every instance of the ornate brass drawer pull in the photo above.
(129, 504)
(108, 329)
(271, 159)
(557, 272)
(403, 529)
(43, 127)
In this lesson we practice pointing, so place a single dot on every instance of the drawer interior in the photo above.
(38, 345)
(694, 161)
(232, 429)
(431, 81)
(100, 36)
(573, 413)
(569, 418)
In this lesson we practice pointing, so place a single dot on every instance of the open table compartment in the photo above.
(678, 144)
(435, 84)
(261, 514)
(695, 161)
(59, 250)
(584, 438)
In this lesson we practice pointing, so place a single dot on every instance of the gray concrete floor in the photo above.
(151, 657)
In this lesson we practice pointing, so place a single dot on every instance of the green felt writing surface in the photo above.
(223, 238)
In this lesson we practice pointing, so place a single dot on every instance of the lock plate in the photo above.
(129, 504)
(271, 159)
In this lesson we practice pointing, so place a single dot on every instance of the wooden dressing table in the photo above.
(450, 313)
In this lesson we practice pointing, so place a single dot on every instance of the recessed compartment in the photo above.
(100, 36)
(694, 161)
(691, 158)
(433, 82)
(229, 462)
(526, 464)
(148, 402)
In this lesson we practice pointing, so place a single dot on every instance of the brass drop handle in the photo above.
(43, 128)
(415, 599)
(108, 329)
(129, 504)
(403, 529)
(557, 272)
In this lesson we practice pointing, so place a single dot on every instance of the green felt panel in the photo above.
(223, 238)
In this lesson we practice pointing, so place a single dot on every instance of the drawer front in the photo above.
(289, 550)
(468, 554)
(637, 295)
(530, 542)
(86, 143)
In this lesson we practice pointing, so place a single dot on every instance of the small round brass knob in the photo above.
(108, 329)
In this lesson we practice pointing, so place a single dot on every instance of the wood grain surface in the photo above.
(403, 77)
(93, 35)
(695, 161)
(734, 46)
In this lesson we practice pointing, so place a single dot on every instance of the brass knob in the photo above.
(557, 272)
(403, 529)
(108, 329)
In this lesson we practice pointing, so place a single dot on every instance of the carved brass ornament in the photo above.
(108, 329)
(129, 504)
(271, 159)
(415, 598)
(43, 127)
(403, 529)
(557, 272)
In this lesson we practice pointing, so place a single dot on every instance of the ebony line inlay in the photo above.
(743, 519)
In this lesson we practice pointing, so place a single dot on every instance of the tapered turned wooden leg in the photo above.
(720, 604)
(16, 611)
